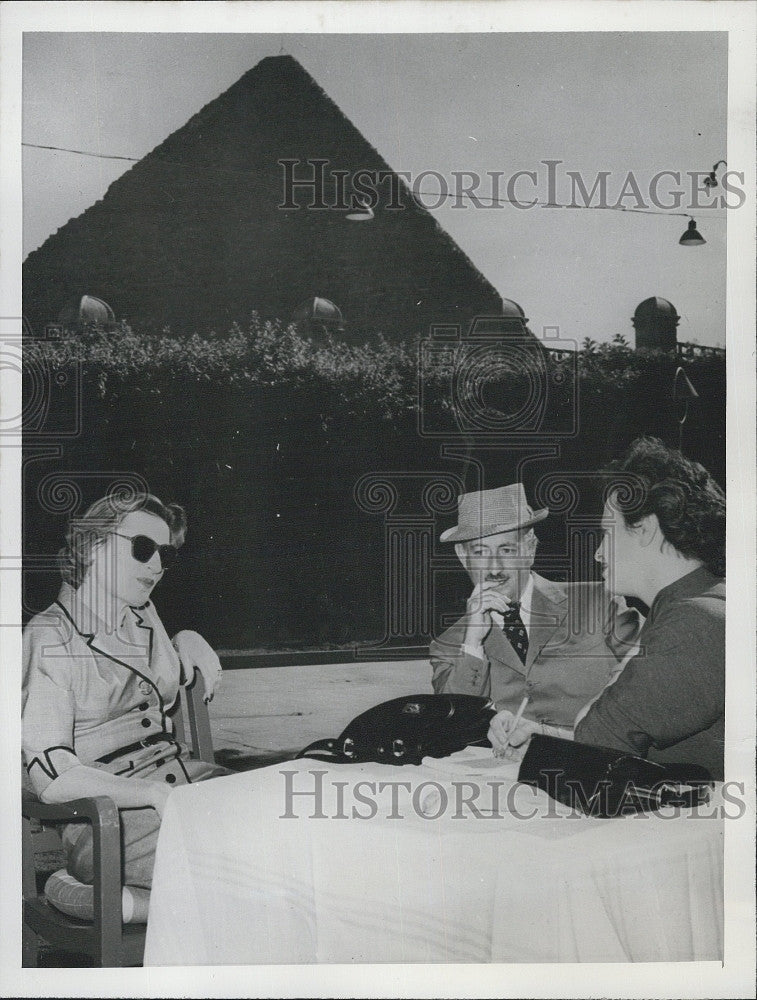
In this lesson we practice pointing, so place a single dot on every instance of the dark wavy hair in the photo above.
(690, 506)
(92, 528)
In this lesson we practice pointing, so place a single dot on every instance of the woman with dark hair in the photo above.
(663, 543)
(101, 674)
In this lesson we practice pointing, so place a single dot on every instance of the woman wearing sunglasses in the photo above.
(101, 674)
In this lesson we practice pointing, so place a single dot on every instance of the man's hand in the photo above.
(486, 597)
(194, 652)
(501, 734)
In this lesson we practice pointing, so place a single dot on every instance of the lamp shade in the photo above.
(362, 214)
(692, 237)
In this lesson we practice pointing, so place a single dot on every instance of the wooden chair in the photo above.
(106, 939)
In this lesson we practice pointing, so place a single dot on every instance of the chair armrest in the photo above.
(99, 810)
(192, 722)
(102, 813)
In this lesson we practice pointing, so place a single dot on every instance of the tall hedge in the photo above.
(263, 436)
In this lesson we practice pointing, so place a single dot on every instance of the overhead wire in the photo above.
(415, 192)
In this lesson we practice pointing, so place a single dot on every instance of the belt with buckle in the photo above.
(148, 741)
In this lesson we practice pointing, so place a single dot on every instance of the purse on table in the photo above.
(607, 783)
(405, 730)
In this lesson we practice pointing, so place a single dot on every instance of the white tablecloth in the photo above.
(246, 876)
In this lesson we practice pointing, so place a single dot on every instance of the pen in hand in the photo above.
(500, 751)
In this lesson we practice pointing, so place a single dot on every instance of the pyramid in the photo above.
(192, 237)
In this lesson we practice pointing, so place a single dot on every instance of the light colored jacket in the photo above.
(579, 635)
(88, 691)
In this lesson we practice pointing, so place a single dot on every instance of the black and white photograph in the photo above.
(372, 379)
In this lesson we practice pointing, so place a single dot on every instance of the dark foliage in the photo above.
(262, 436)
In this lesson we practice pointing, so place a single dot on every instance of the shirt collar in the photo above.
(84, 612)
(526, 596)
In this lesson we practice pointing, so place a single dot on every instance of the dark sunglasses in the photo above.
(144, 548)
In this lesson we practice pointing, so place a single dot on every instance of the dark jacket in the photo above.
(669, 702)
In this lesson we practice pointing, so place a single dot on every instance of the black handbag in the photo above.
(606, 783)
(405, 730)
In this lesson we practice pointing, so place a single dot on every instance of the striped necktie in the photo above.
(515, 631)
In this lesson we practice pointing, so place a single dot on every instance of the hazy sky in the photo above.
(497, 102)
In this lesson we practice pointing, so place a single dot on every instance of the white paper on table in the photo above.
(472, 762)
(477, 760)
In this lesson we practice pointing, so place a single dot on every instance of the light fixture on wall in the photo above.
(711, 180)
(692, 237)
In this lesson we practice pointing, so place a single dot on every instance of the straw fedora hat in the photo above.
(491, 511)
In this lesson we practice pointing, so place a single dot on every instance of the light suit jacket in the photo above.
(88, 691)
(578, 636)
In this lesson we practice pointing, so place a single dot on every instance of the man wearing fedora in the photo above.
(522, 636)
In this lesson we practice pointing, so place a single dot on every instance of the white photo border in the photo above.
(680, 980)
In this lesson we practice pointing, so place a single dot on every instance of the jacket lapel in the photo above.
(116, 648)
(108, 643)
(549, 607)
